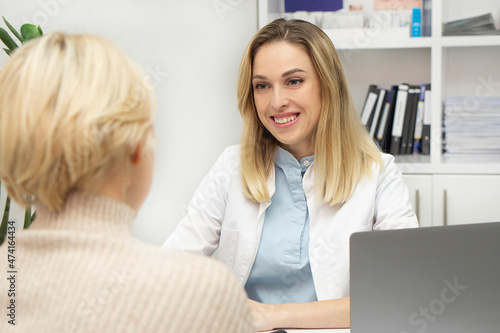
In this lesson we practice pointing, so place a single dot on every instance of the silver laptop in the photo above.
(427, 280)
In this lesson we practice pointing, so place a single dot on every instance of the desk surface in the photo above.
(316, 331)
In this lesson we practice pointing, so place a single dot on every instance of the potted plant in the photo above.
(27, 32)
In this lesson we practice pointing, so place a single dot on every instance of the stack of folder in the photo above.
(478, 25)
(398, 119)
(471, 125)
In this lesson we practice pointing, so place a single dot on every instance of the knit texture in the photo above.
(81, 270)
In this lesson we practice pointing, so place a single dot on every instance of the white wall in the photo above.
(192, 51)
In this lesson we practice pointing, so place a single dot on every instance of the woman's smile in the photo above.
(287, 120)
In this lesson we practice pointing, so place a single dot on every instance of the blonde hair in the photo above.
(71, 107)
(344, 151)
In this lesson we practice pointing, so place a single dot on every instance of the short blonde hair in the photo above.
(71, 106)
(344, 151)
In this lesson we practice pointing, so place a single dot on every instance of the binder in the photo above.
(378, 110)
(410, 130)
(369, 106)
(426, 18)
(416, 22)
(426, 122)
(399, 118)
(404, 134)
(417, 138)
(385, 128)
(312, 5)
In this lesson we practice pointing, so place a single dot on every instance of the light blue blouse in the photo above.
(281, 272)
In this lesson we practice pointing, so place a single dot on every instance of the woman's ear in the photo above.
(136, 156)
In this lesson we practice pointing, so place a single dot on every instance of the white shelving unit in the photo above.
(443, 190)
(453, 65)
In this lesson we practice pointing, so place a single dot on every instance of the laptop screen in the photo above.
(433, 280)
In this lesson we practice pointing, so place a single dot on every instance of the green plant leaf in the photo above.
(3, 231)
(7, 40)
(27, 217)
(40, 30)
(5, 219)
(11, 28)
(29, 31)
(7, 51)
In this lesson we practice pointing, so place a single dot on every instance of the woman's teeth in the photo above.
(285, 120)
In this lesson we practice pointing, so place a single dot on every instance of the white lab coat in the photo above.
(220, 216)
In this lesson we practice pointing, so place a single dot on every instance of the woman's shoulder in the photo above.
(379, 167)
(187, 268)
(389, 169)
(194, 286)
(229, 160)
(232, 151)
(185, 271)
(387, 159)
(386, 167)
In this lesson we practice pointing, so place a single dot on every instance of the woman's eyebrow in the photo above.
(262, 77)
(285, 74)
(292, 71)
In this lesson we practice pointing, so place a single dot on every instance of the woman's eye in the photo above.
(294, 82)
(260, 86)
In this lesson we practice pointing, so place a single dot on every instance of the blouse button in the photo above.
(306, 163)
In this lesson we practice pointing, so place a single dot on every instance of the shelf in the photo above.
(470, 41)
(454, 65)
(449, 169)
(352, 39)
(409, 164)
(412, 159)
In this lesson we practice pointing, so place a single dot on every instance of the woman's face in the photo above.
(287, 94)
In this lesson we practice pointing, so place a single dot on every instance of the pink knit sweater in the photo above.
(81, 270)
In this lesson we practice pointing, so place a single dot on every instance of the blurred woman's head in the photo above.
(72, 109)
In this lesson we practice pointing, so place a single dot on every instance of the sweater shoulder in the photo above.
(178, 260)
(206, 275)
(206, 287)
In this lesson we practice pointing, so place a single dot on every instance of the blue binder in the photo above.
(312, 5)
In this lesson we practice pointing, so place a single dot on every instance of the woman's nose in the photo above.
(279, 99)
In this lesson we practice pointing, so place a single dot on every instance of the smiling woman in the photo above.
(281, 207)
(287, 94)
